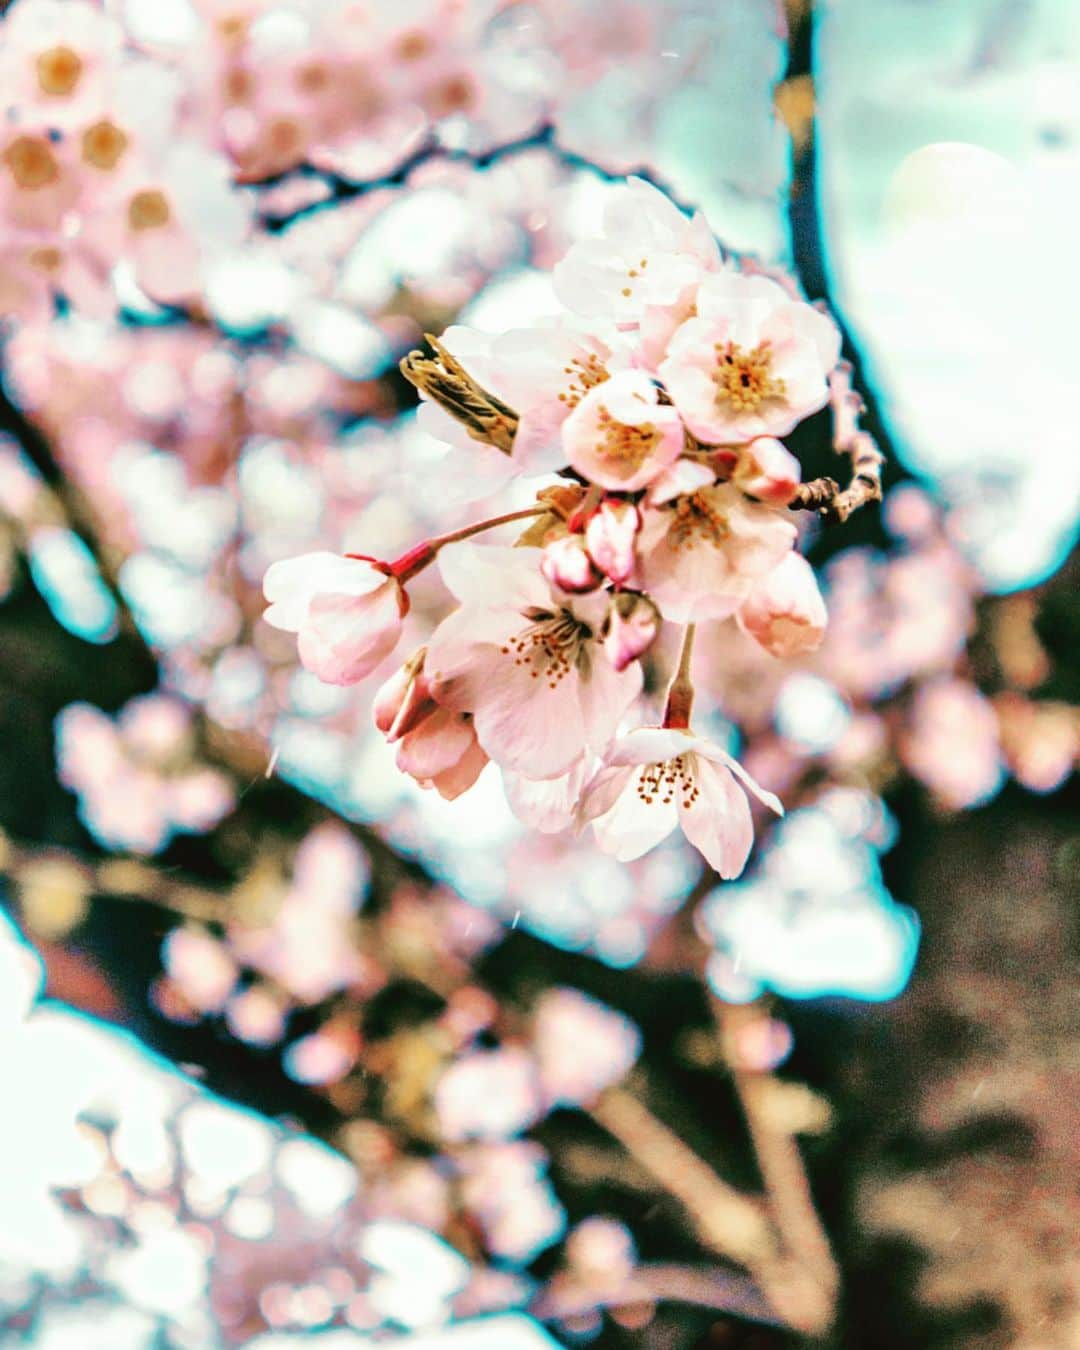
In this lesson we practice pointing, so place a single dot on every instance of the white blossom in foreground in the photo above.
(657, 778)
(527, 660)
(346, 612)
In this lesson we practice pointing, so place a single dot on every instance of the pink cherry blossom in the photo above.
(751, 362)
(766, 470)
(610, 537)
(346, 611)
(654, 779)
(620, 436)
(566, 564)
(701, 554)
(630, 628)
(436, 747)
(546, 804)
(647, 254)
(785, 611)
(490, 1094)
(527, 660)
(443, 752)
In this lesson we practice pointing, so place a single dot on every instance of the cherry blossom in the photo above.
(701, 554)
(527, 660)
(751, 362)
(346, 611)
(654, 779)
(620, 436)
(648, 254)
(785, 611)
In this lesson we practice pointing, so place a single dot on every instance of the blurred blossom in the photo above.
(488, 1095)
(814, 919)
(951, 743)
(581, 1046)
(506, 1187)
(135, 777)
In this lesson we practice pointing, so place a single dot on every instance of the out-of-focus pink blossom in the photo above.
(581, 1046)
(951, 742)
(201, 967)
(489, 1094)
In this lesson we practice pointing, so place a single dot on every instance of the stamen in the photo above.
(696, 519)
(667, 780)
(627, 445)
(585, 374)
(552, 645)
(742, 377)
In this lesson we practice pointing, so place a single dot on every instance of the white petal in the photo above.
(633, 826)
(494, 576)
(718, 823)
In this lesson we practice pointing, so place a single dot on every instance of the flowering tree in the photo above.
(239, 242)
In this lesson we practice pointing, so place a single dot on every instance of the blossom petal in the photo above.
(718, 821)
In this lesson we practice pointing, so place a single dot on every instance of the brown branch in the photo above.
(734, 1225)
(717, 1289)
(786, 1184)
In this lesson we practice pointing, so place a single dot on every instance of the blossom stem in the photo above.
(680, 698)
(423, 554)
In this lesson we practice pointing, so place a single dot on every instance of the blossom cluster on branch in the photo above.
(652, 411)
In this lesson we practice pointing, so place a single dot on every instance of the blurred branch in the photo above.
(720, 1290)
(790, 1201)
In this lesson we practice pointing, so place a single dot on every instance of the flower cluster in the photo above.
(651, 411)
(92, 171)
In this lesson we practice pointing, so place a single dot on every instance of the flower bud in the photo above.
(404, 701)
(567, 565)
(768, 471)
(630, 628)
(609, 539)
(785, 611)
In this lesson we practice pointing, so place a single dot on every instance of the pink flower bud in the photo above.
(785, 611)
(609, 538)
(404, 700)
(345, 611)
(630, 628)
(567, 565)
(768, 471)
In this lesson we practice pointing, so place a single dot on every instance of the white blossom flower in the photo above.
(656, 778)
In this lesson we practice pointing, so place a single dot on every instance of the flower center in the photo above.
(627, 446)
(742, 377)
(585, 372)
(58, 71)
(667, 780)
(148, 210)
(551, 646)
(694, 519)
(103, 144)
(632, 274)
(31, 162)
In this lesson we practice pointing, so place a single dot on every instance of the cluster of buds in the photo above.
(653, 412)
